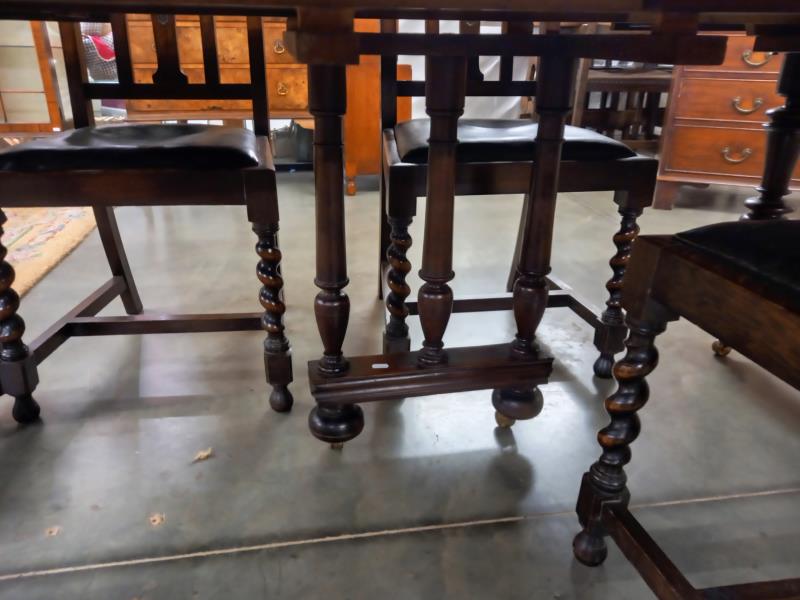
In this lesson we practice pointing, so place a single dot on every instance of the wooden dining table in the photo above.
(321, 34)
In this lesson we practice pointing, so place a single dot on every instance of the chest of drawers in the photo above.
(713, 130)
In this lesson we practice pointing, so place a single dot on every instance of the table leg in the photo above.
(783, 145)
(327, 99)
(445, 87)
(555, 80)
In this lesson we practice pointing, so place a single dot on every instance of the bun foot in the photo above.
(280, 399)
(26, 409)
(604, 366)
(516, 405)
(589, 549)
(336, 423)
(720, 349)
(337, 446)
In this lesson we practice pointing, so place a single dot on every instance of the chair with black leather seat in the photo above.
(493, 157)
(146, 164)
(738, 281)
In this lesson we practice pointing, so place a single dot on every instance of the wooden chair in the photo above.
(730, 279)
(156, 164)
(738, 281)
(630, 99)
(494, 158)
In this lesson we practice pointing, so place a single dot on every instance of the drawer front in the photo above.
(726, 99)
(275, 50)
(143, 44)
(288, 87)
(741, 57)
(231, 42)
(718, 151)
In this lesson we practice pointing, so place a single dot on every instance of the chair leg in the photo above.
(610, 337)
(18, 374)
(277, 354)
(117, 260)
(384, 239)
(605, 483)
(395, 336)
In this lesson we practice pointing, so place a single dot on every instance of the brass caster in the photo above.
(503, 421)
(337, 445)
(720, 349)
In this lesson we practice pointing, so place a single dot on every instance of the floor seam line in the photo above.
(367, 535)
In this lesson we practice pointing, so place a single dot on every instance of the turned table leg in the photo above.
(555, 80)
(327, 102)
(783, 145)
(445, 87)
(18, 375)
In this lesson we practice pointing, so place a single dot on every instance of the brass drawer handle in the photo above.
(726, 154)
(283, 89)
(747, 58)
(278, 47)
(737, 105)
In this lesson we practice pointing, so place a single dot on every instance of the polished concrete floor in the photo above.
(431, 501)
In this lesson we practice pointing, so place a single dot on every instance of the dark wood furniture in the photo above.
(323, 36)
(630, 104)
(512, 370)
(146, 165)
(494, 157)
(287, 83)
(730, 279)
(715, 121)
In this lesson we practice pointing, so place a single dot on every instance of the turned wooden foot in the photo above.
(516, 405)
(281, 399)
(26, 409)
(351, 187)
(604, 366)
(590, 549)
(336, 423)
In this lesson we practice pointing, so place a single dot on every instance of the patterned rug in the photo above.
(39, 238)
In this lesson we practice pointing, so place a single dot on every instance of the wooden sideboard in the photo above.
(714, 126)
(287, 80)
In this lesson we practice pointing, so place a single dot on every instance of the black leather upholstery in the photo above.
(135, 147)
(494, 140)
(767, 251)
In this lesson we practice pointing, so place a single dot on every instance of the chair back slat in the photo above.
(169, 71)
(431, 26)
(388, 83)
(258, 75)
(77, 75)
(477, 85)
(169, 82)
(208, 35)
(122, 49)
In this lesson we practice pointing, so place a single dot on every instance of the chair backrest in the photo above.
(505, 85)
(169, 82)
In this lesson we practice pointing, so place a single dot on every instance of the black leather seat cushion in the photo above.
(135, 147)
(496, 140)
(767, 251)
